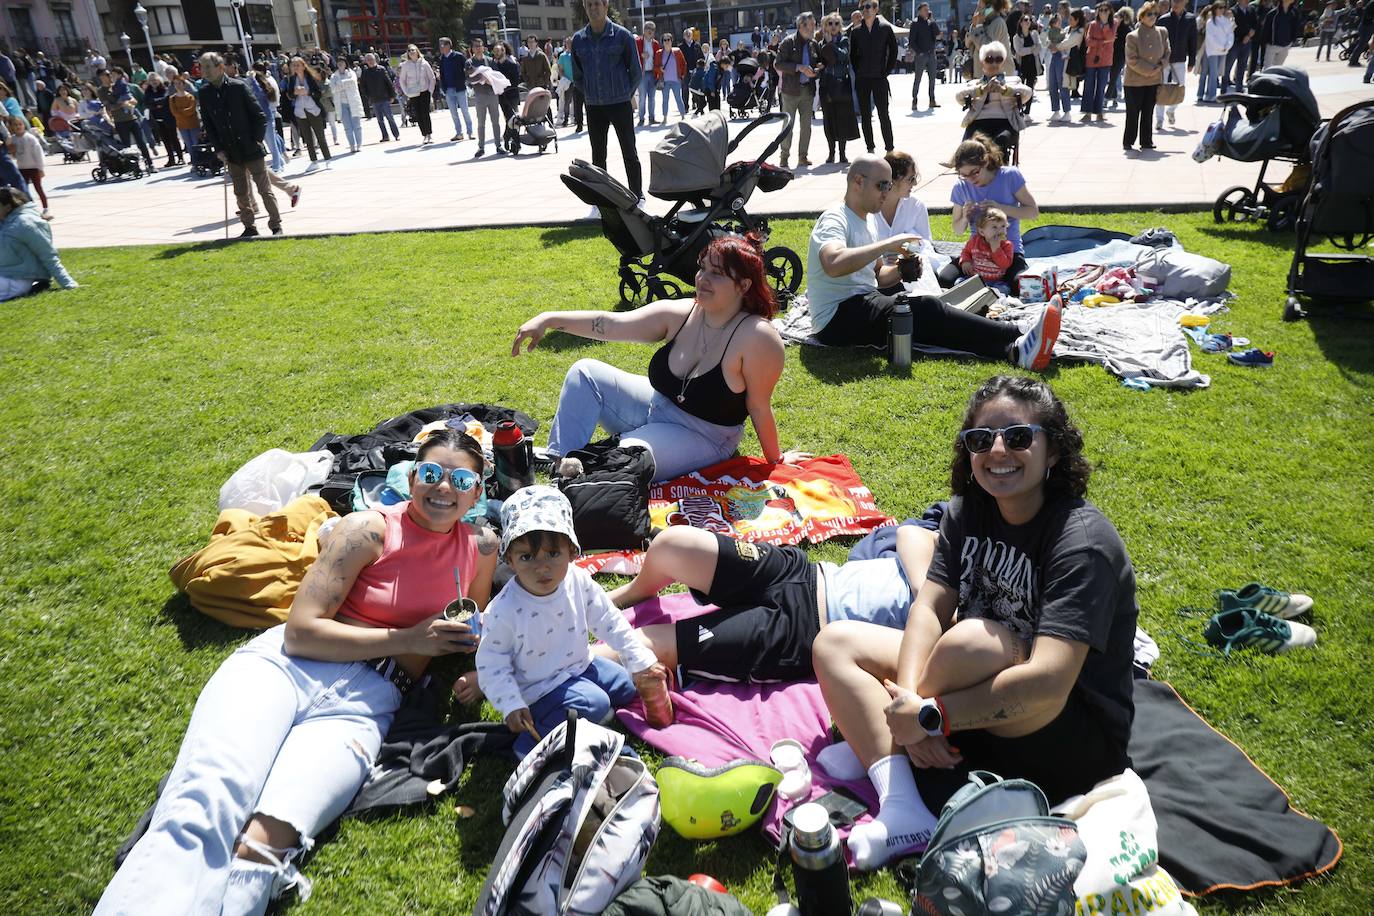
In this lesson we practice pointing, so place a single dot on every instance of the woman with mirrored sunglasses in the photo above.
(1016, 655)
(286, 731)
(994, 102)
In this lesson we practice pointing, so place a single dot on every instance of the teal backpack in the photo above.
(997, 849)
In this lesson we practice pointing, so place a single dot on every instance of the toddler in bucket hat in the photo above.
(534, 662)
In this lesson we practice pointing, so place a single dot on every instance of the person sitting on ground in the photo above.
(995, 101)
(903, 213)
(286, 731)
(988, 253)
(844, 273)
(719, 366)
(984, 181)
(1018, 649)
(534, 663)
(27, 254)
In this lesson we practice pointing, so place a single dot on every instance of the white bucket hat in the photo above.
(536, 508)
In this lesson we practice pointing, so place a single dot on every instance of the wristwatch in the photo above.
(932, 718)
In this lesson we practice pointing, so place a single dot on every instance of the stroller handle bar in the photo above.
(758, 122)
(1246, 98)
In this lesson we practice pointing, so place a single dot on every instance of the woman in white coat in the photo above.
(416, 79)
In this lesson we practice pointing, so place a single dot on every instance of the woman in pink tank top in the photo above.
(286, 731)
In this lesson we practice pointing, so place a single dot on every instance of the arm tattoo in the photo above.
(998, 716)
(599, 325)
(486, 542)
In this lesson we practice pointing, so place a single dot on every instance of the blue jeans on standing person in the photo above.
(1209, 82)
(602, 687)
(1059, 93)
(458, 104)
(352, 124)
(625, 404)
(675, 89)
(647, 91)
(1236, 60)
(190, 136)
(382, 110)
(1369, 70)
(1094, 89)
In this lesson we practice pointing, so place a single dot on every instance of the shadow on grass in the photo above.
(555, 235)
(841, 365)
(195, 629)
(197, 248)
(1254, 235)
(1345, 335)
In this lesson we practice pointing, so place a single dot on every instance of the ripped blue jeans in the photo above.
(290, 738)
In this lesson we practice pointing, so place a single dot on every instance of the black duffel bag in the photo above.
(610, 499)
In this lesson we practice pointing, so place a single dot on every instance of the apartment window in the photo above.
(21, 21)
(166, 20)
(558, 25)
(66, 26)
(531, 24)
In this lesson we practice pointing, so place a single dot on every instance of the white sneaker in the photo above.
(1171, 119)
(1035, 348)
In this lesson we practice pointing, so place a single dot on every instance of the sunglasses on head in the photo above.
(431, 473)
(1018, 438)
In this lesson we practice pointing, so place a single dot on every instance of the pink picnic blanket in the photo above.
(715, 723)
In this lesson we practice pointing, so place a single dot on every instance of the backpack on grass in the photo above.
(580, 820)
(610, 499)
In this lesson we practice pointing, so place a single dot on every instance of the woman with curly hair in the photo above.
(1016, 654)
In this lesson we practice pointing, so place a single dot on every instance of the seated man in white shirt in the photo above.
(844, 271)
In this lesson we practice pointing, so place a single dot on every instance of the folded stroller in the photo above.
(114, 162)
(748, 93)
(533, 125)
(1339, 205)
(204, 162)
(688, 167)
(1273, 120)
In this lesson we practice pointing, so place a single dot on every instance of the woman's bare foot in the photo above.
(466, 688)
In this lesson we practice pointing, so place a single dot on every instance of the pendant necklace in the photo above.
(691, 374)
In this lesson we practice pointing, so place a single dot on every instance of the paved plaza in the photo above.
(396, 186)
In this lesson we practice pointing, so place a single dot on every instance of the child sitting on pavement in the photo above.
(988, 252)
(534, 662)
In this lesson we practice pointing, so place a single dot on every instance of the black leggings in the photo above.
(872, 93)
(420, 107)
(1140, 112)
(863, 320)
(600, 119)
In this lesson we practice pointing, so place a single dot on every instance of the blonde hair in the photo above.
(833, 17)
(1148, 8)
(991, 213)
(992, 47)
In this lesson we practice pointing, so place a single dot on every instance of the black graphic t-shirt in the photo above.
(1065, 573)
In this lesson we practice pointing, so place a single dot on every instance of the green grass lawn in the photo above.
(129, 401)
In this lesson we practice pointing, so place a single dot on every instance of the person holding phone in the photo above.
(286, 731)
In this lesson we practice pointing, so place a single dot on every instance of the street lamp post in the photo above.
(314, 24)
(142, 16)
(243, 33)
(128, 51)
(501, 13)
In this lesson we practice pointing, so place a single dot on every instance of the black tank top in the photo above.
(705, 396)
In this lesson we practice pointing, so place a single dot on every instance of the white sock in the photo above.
(903, 824)
(840, 762)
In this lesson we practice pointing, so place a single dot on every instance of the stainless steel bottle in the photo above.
(818, 867)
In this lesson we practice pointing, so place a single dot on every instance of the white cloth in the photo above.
(531, 644)
(912, 217)
(824, 292)
(492, 77)
(28, 150)
(1219, 35)
(344, 83)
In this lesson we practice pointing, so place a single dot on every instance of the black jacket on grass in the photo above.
(233, 120)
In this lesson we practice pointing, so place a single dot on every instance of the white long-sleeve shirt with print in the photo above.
(531, 644)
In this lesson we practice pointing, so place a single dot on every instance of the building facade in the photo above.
(61, 29)
(184, 28)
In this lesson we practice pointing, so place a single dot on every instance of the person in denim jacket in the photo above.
(607, 70)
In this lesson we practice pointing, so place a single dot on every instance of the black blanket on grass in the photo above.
(1223, 824)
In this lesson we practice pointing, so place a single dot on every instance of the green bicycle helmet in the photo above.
(704, 804)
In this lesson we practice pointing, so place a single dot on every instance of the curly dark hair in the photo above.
(1070, 473)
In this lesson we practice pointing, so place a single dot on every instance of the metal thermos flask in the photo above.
(818, 867)
(899, 344)
(514, 455)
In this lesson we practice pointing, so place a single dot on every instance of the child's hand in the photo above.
(521, 721)
(655, 672)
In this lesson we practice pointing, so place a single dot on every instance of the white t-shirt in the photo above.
(28, 151)
(912, 217)
(531, 644)
(824, 293)
(647, 64)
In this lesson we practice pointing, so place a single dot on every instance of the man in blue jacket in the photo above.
(453, 80)
(1238, 58)
(1182, 28)
(606, 68)
(1281, 30)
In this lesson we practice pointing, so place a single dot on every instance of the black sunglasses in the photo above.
(993, 59)
(1018, 438)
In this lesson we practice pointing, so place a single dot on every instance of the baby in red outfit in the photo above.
(988, 253)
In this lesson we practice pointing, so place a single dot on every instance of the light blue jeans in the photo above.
(1059, 93)
(290, 738)
(1210, 79)
(646, 96)
(458, 103)
(594, 392)
(190, 136)
(602, 686)
(276, 145)
(675, 89)
(352, 123)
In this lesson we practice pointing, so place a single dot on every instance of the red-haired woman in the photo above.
(719, 366)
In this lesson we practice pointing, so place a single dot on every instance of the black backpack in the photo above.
(610, 500)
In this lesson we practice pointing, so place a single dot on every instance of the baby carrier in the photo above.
(1339, 205)
(113, 161)
(688, 167)
(1273, 120)
(580, 820)
(533, 125)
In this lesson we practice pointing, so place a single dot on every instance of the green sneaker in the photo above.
(1246, 628)
(1258, 597)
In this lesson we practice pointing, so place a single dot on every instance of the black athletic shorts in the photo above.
(1065, 758)
(767, 620)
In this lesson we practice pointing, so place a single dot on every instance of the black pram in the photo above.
(114, 162)
(749, 92)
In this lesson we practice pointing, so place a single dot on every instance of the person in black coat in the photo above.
(155, 97)
(235, 125)
(378, 93)
(873, 52)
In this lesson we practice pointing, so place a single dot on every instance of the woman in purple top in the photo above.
(984, 181)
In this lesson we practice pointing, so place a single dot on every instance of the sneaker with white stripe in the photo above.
(1259, 597)
(1035, 348)
(1246, 628)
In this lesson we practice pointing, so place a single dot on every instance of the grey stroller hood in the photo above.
(691, 157)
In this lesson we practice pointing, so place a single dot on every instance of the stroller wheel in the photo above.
(632, 292)
(784, 268)
(1284, 216)
(1293, 310)
(1235, 205)
(660, 288)
(99, 174)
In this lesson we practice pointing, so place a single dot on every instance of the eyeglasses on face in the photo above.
(993, 59)
(968, 175)
(1017, 438)
(885, 185)
(431, 473)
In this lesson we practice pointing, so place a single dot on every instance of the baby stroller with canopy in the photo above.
(658, 255)
(76, 148)
(113, 161)
(1272, 121)
(1339, 205)
(748, 93)
(533, 125)
(204, 162)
